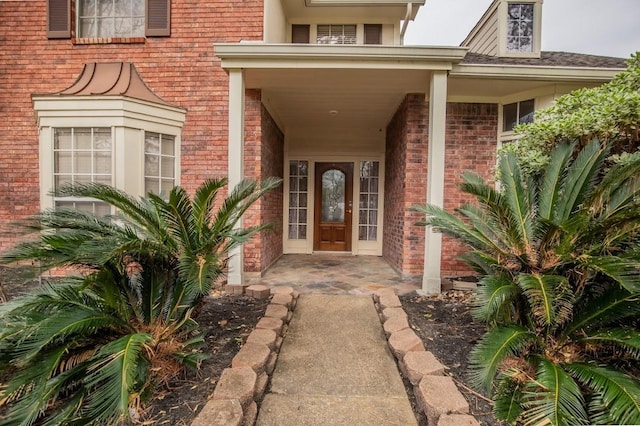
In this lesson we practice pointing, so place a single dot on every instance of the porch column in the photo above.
(435, 178)
(236, 161)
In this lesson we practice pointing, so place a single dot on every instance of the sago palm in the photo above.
(559, 266)
(90, 349)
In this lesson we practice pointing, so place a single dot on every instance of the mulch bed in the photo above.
(445, 325)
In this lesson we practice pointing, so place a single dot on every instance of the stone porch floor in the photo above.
(335, 274)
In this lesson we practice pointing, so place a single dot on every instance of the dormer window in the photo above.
(520, 27)
(336, 34)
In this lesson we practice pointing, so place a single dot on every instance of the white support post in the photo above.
(236, 160)
(435, 178)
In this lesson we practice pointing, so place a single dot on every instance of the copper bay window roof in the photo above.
(112, 78)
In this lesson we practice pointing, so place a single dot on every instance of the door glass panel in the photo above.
(333, 192)
(369, 176)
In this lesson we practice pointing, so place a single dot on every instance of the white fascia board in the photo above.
(120, 110)
(534, 72)
(261, 55)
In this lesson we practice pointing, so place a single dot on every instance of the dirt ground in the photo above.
(449, 332)
(443, 322)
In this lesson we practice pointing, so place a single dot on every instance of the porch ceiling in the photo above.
(335, 98)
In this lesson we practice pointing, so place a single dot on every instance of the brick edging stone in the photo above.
(240, 388)
(437, 394)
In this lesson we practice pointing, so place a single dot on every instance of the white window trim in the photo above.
(128, 118)
(502, 30)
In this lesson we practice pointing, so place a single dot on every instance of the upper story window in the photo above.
(517, 113)
(336, 34)
(110, 18)
(372, 33)
(520, 27)
(107, 19)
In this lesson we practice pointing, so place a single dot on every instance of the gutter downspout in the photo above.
(405, 23)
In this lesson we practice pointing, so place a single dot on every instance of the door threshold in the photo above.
(333, 253)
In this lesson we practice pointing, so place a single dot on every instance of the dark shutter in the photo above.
(158, 18)
(300, 34)
(372, 34)
(59, 18)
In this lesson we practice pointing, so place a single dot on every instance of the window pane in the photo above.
(83, 138)
(109, 18)
(138, 8)
(333, 193)
(526, 111)
(509, 117)
(151, 143)
(297, 200)
(102, 163)
(83, 162)
(62, 139)
(87, 7)
(151, 165)
(152, 185)
(168, 143)
(168, 167)
(520, 27)
(165, 187)
(62, 162)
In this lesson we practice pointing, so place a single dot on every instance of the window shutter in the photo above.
(372, 34)
(59, 18)
(300, 33)
(158, 18)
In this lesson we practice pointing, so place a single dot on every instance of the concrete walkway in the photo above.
(335, 368)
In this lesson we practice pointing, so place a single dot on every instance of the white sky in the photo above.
(599, 27)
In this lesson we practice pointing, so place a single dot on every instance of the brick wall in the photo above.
(470, 139)
(182, 69)
(470, 145)
(263, 157)
(405, 178)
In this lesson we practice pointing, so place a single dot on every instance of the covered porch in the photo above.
(332, 106)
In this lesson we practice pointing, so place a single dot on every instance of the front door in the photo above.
(333, 206)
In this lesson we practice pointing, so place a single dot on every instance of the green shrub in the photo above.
(91, 349)
(559, 264)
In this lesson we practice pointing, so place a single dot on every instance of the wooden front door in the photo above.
(333, 206)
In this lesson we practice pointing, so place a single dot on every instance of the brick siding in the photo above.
(405, 178)
(470, 144)
(182, 69)
(263, 157)
(471, 135)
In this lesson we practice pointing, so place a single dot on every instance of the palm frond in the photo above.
(625, 338)
(518, 200)
(619, 391)
(550, 189)
(549, 296)
(579, 180)
(553, 398)
(203, 202)
(614, 305)
(493, 298)
(495, 346)
(115, 378)
(508, 396)
(624, 271)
